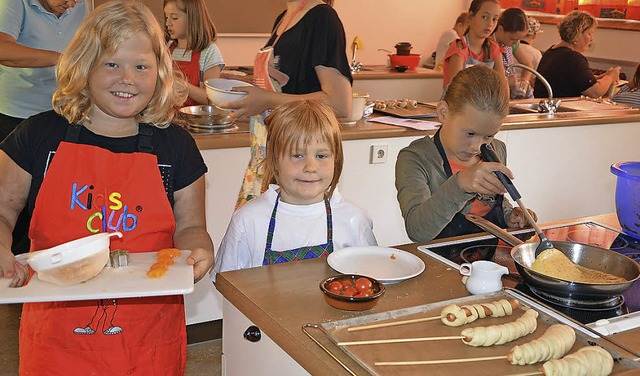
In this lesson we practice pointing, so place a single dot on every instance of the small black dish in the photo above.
(401, 68)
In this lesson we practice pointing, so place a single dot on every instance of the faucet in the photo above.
(355, 67)
(549, 105)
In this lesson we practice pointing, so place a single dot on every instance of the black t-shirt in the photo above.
(317, 39)
(566, 70)
(34, 142)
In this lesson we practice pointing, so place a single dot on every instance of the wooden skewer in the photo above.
(442, 361)
(397, 340)
(393, 323)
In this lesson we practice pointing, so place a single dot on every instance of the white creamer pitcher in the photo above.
(484, 276)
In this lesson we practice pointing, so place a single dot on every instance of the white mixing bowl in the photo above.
(72, 262)
(219, 90)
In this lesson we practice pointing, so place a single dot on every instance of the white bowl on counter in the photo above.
(73, 262)
(219, 90)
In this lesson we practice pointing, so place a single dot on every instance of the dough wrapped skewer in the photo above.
(501, 334)
(454, 315)
(556, 341)
(478, 336)
(588, 361)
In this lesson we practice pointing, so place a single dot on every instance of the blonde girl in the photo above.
(441, 179)
(302, 214)
(107, 159)
(191, 37)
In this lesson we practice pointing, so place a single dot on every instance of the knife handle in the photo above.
(488, 155)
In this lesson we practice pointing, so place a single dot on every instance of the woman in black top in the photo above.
(305, 58)
(564, 66)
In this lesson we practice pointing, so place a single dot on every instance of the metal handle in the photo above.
(488, 155)
(252, 334)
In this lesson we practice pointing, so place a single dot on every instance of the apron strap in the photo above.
(443, 155)
(145, 136)
(272, 223)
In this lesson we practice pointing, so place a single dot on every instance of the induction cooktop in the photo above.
(607, 317)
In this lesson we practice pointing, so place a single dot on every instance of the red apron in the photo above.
(88, 189)
(191, 70)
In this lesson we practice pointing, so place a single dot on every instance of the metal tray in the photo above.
(367, 355)
(423, 111)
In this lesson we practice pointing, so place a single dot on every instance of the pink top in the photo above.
(465, 53)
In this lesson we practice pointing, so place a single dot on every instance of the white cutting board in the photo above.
(123, 282)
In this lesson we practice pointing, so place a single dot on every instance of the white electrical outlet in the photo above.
(379, 154)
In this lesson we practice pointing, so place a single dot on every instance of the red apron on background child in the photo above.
(90, 189)
(191, 70)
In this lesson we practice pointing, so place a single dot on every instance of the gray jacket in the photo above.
(428, 199)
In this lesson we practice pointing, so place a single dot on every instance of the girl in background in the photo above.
(513, 26)
(441, 179)
(111, 134)
(630, 93)
(301, 215)
(191, 36)
(477, 46)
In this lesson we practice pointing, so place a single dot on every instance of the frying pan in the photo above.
(585, 255)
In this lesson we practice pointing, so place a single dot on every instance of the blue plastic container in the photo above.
(628, 196)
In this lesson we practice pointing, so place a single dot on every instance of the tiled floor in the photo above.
(203, 359)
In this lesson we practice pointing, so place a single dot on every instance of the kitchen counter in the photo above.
(374, 72)
(280, 299)
(365, 130)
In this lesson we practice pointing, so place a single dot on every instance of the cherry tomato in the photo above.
(347, 283)
(349, 291)
(335, 287)
(363, 285)
(363, 294)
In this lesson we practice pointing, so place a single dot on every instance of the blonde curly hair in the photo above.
(574, 24)
(107, 28)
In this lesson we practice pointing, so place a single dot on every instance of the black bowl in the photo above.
(401, 68)
(352, 303)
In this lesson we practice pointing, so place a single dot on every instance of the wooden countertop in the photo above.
(383, 72)
(370, 130)
(280, 299)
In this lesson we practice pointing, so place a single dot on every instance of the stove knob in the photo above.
(252, 334)
(602, 322)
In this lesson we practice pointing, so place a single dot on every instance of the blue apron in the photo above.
(302, 253)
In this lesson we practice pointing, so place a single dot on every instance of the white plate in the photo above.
(387, 265)
(124, 282)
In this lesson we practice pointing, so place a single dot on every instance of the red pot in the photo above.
(412, 60)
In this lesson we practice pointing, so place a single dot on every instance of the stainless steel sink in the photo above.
(533, 108)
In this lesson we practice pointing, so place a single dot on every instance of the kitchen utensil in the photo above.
(219, 90)
(204, 115)
(387, 265)
(411, 61)
(403, 48)
(484, 276)
(71, 262)
(489, 155)
(628, 196)
(123, 282)
(351, 303)
(584, 255)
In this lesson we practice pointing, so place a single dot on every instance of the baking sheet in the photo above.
(367, 355)
(124, 282)
(423, 111)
